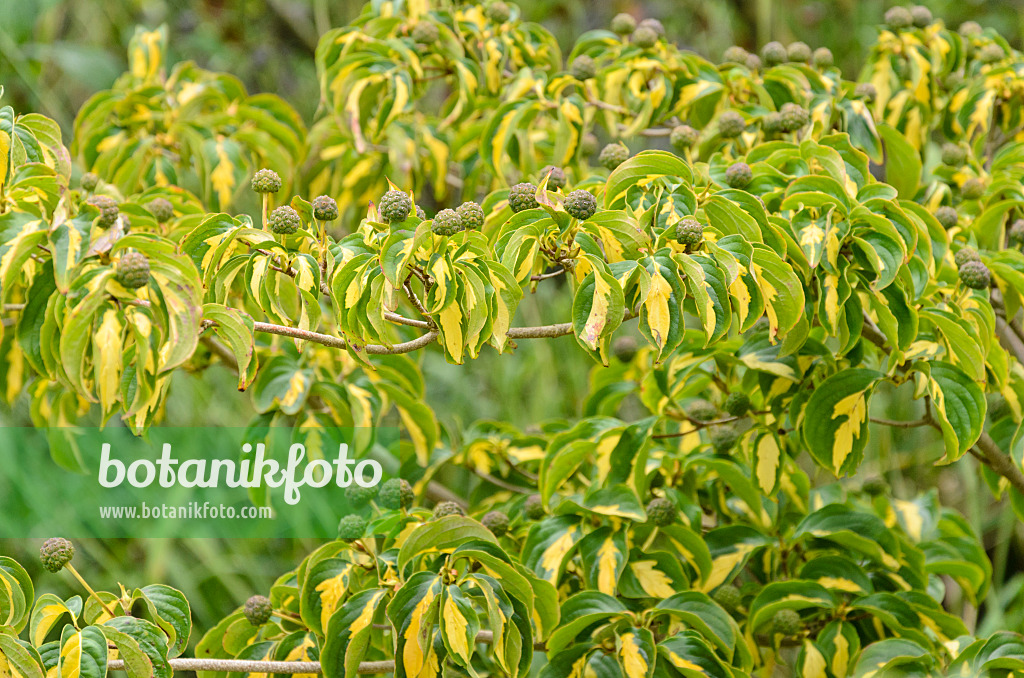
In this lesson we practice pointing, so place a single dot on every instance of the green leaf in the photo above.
(902, 162)
(83, 654)
(958, 403)
(438, 536)
(171, 613)
(835, 420)
(579, 612)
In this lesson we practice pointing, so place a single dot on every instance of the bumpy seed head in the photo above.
(654, 25)
(624, 349)
(991, 53)
(498, 12)
(496, 522)
(108, 210)
(689, 232)
(683, 137)
(723, 438)
(351, 527)
(395, 206)
(953, 154)
(266, 181)
(396, 493)
(946, 216)
(523, 197)
(472, 216)
(774, 53)
(284, 220)
(771, 123)
(661, 512)
(583, 67)
(734, 55)
(132, 270)
(90, 180)
(55, 553)
(356, 495)
(737, 404)
(798, 52)
(534, 507)
(447, 508)
(446, 222)
(644, 37)
(161, 209)
(920, 16)
(588, 144)
(1016, 233)
(580, 204)
(975, 275)
(729, 597)
(823, 58)
(731, 124)
(787, 622)
(739, 175)
(898, 18)
(555, 175)
(753, 62)
(325, 208)
(258, 610)
(623, 24)
(425, 32)
(613, 155)
(702, 411)
(970, 29)
(794, 116)
(965, 254)
(865, 90)
(420, 214)
(973, 189)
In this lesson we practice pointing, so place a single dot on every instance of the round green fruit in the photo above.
(132, 270)
(866, 91)
(446, 222)
(953, 154)
(472, 216)
(396, 493)
(555, 175)
(965, 254)
(395, 206)
(447, 508)
(654, 25)
(161, 209)
(774, 53)
(522, 197)
(661, 512)
(973, 189)
(89, 181)
(285, 220)
(356, 495)
(920, 16)
(258, 610)
(793, 117)
(734, 55)
(55, 553)
(723, 438)
(702, 411)
(737, 404)
(613, 155)
(729, 597)
(325, 208)
(739, 175)
(108, 208)
(533, 508)
(623, 24)
(644, 37)
(1016, 233)
(683, 137)
(898, 18)
(975, 275)
(731, 124)
(823, 58)
(425, 32)
(947, 216)
(580, 204)
(496, 522)
(689, 232)
(266, 181)
(787, 622)
(799, 52)
(351, 527)
(583, 68)
(498, 12)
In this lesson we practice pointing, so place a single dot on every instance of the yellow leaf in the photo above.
(658, 317)
(854, 408)
(108, 354)
(607, 562)
(455, 629)
(632, 660)
(654, 582)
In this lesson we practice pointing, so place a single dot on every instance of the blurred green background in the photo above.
(55, 53)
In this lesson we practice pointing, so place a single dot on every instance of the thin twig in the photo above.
(901, 424)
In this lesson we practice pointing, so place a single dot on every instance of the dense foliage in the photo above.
(806, 242)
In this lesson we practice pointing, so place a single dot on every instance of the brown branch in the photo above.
(901, 424)
(546, 276)
(999, 461)
(220, 350)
